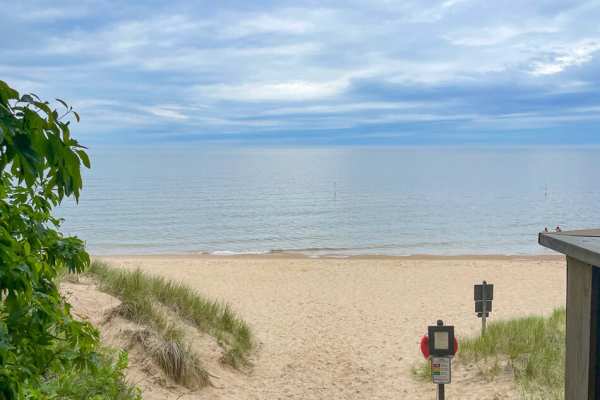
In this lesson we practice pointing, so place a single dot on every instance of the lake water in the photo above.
(396, 201)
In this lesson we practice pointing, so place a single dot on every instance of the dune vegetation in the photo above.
(532, 348)
(164, 307)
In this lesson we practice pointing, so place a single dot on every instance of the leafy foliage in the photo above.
(40, 164)
(105, 382)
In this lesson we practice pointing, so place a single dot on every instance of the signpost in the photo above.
(483, 296)
(439, 346)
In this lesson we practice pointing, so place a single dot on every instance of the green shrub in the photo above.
(102, 381)
(42, 347)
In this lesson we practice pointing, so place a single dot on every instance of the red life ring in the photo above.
(425, 346)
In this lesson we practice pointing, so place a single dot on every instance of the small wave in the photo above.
(237, 253)
(312, 252)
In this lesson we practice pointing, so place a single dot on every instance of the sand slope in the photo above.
(349, 328)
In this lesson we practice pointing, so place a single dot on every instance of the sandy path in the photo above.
(349, 328)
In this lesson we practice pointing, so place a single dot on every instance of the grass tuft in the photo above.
(534, 348)
(422, 371)
(164, 341)
(175, 358)
(139, 291)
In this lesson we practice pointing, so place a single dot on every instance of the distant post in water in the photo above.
(483, 296)
(439, 346)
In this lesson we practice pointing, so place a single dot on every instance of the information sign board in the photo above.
(483, 292)
(440, 370)
(479, 306)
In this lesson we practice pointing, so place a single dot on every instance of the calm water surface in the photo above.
(333, 201)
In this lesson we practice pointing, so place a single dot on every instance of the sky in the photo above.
(314, 72)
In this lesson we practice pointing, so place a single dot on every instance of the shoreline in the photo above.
(293, 255)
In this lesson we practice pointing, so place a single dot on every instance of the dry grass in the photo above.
(141, 293)
(174, 357)
(164, 341)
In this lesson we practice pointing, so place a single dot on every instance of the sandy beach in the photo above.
(330, 328)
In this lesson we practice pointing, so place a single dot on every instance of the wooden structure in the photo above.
(582, 370)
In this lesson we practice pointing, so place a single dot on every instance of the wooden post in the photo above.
(579, 290)
(582, 359)
(594, 379)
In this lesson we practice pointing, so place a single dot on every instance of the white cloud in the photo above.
(417, 117)
(45, 13)
(488, 36)
(346, 108)
(135, 37)
(567, 56)
(273, 91)
(168, 112)
(452, 3)
(420, 12)
(533, 120)
(187, 59)
(266, 23)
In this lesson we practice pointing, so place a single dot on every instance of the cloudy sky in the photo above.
(313, 72)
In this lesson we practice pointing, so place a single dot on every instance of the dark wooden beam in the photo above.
(579, 291)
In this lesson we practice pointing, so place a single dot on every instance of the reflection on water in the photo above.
(341, 201)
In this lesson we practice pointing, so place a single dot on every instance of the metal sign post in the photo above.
(483, 296)
(441, 374)
(439, 346)
(483, 315)
(441, 392)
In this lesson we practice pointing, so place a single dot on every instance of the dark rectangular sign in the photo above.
(479, 306)
(441, 340)
(488, 295)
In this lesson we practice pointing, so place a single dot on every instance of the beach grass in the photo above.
(141, 293)
(533, 347)
(174, 356)
(422, 371)
(164, 340)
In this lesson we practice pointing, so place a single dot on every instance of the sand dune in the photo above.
(349, 328)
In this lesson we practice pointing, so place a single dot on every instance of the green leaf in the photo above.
(63, 103)
(7, 93)
(44, 107)
(84, 158)
(27, 98)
